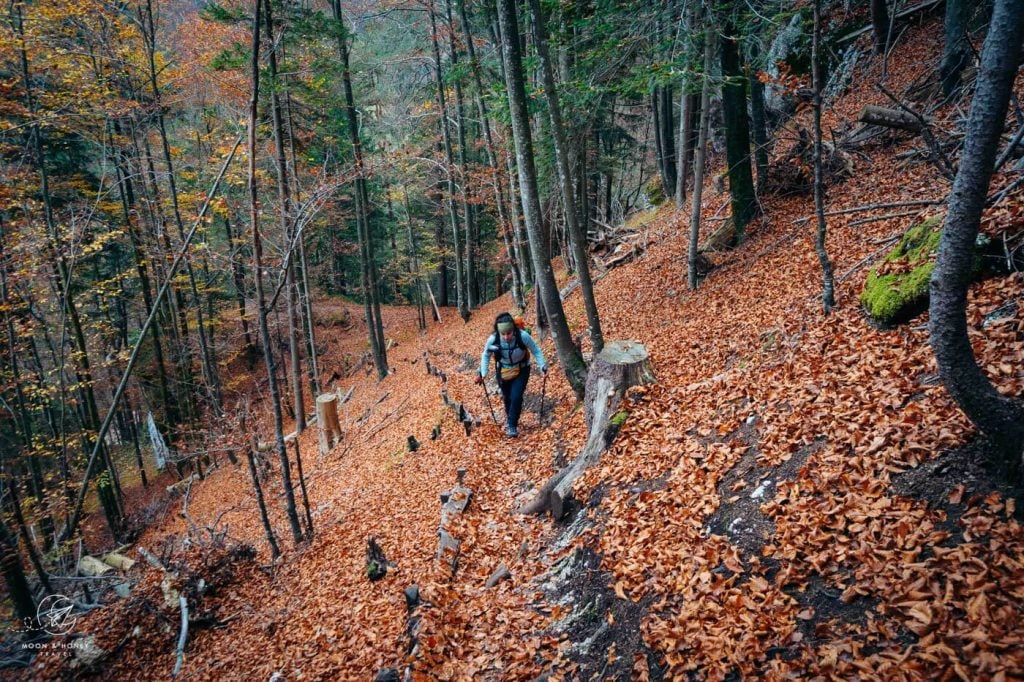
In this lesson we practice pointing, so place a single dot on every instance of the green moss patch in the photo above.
(897, 289)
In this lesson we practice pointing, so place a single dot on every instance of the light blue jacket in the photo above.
(511, 354)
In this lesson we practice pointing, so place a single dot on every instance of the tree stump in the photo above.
(615, 369)
(621, 364)
(329, 431)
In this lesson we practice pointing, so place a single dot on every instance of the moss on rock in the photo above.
(897, 289)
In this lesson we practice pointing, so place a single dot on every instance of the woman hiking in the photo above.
(511, 348)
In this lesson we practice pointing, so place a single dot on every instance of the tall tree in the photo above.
(374, 324)
(698, 155)
(261, 299)
(999, 417)
(572, 363)
(956, 50)
(828, 285)
(288, 233)
(577, 237)
(737, 132)
(460, 277)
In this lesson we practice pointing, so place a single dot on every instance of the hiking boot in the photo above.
(511, 431)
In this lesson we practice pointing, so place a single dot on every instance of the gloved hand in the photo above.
(544, 370)
(479, 379)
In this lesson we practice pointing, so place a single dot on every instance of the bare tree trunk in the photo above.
(450, 171)
(572, 364)
(371, 310)
(507, 227)
(469, 224)
(238, 277)
(14, 577)
(261, 304)
(685, 104)
(956, 51)
(737, 134)
(828, 285)
(268, 530)
(880, 24)
(759, 123)
(209, 369)
(999, 417)
(698, 158)
(577, 236)
(287, 225)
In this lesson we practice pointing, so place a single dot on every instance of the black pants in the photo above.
(512, 393)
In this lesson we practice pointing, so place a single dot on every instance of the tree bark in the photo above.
(828, 284)
(287, 227)
(698, 160)
(14, 577)
(261, 304)
(759, 122)
(956, 51)
(506, 225)
(577, 236)
(880, 24)
(568, 355)
(450, 170)
(737, 134)
(374, 325)
(468, 222)
(999, 417)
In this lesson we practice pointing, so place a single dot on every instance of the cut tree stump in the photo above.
(621, 365)
(329, 431)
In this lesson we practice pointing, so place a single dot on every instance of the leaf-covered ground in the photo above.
(797, 496)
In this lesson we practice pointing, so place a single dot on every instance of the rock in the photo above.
(91, 566)
(87, 653)
(896, 291)
(387, 675)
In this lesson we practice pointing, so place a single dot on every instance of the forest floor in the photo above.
(796, 496)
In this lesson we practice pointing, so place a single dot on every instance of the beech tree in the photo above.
(999, 417)
(568, 355)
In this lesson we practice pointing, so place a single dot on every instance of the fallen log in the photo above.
(92, 567)
(890, 118)
(621, 365)
(118, 561)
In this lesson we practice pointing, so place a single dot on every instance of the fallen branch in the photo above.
(183, 603)
(941, 161)
(887, 216)
(873, 207)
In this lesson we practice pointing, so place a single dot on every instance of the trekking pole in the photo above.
(543, 388)
(487, 397)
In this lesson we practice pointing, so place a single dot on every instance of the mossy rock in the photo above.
(897, 289)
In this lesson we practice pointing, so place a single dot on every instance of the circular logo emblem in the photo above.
(54, 614)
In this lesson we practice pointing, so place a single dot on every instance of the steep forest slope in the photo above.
(796, 496)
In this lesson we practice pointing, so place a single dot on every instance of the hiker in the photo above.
(511, 347)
